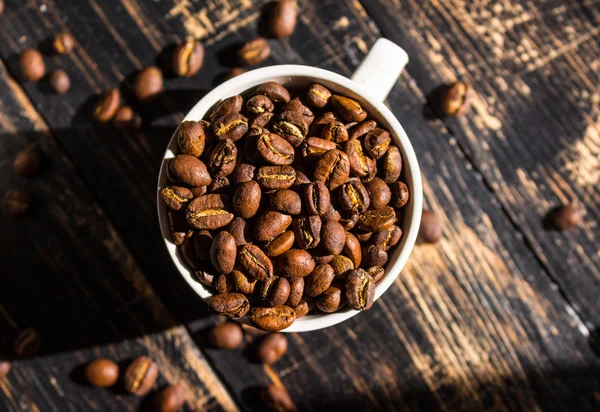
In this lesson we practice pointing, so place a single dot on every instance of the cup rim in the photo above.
(411, 170)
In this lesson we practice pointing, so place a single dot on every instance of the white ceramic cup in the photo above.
(370, 85)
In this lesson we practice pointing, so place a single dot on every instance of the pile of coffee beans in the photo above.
(286, 201)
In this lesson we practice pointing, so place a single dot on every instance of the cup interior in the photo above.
(293, 76)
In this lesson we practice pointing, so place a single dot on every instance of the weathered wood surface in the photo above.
(474, 322)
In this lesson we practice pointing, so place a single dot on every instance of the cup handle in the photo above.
(380, 69)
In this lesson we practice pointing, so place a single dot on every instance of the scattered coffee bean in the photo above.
(271, 224)
(17, 201)
(565, 217)
(28, 162)
(276, 177)
(341, 265)
(317, 198)
(255, 263)
(286, 202)
(243, 283)
(148, 84)
(374, 255)
(274, 291)
(307, 231)
(63, 43)
(259, 104)
(189, 170)
(283, 18)
(169, 399)
(254, 52)
(127, 119)
(377, 143)
(354, 197)
(377, 220)
(456, 100)
(279, 244)
(379, 193)
(333, 169)
(376, 273)
(296, 292)
(191, 138)
(274, 91)
(335, 132)
(209, 212)
(27, 343)
(277, 399)
(188, 58)
(318, 96)
(430, 230)
(272, 319)
(107, 106)
(1, 7)
(101, 373)
(5, 366)
(303, 308)
(234, 305)
(140, 376)
(274, 149)
(296, 263)
(352, 249)
(59, 81)
(319, 280)
(223, 252)
(224, 283)
(392, 165)
(246, 199)
(227, 335)
(32, 65)
(230, 105)
(330, 300)
(180, 230)
(360, 290)
(223, 159)
(348, 109)
(244, 172)
(175, 196)
(400, 194)
(272, 348)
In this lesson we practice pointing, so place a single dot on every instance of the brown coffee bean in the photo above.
(243, 284)
(374, 255)
(230, 126)
(140, 376)
(148, 84)
(295, 263)
(388, 238)
(223, 159)
(32, 65)
(315, 147)
(254, 262)
(169, 399)
(254, 52)
(189, 170)
(376, 273)
(126, 119)
(330, 300)
(198, 191)
(332, 215)
(564, 217)
(307, 231)
(318, 96)
(209, 212)
(349, 220)
(180, 230)
(276, 177)
(190, 136)
(234, 305)
(220, 185)
(287, 202)
(335, 131)
(274, 291)
(303, 308)
(274, 91)
(301, 180)
(279, 244)
(227, 335)
(262, 120)
(321, 256)
(235, 72)
(333, 237)
(317, 126)
(353, 197)
(272, 319)
(59, 81)
(363, 236)
(400, 194)
(377, 220)
(270, 224)
(202, 242)
(316, 198)
(348, 109)
(274, 149)
(430, 230)
(319, 280)
(63, 43)
(360, 290)
(223, 252)
(101, 373)
(175, 196)
(272, 348)
(259, 104)
(206, 278)
(17, 201)
(377, 143)
(188, 58)
(224, 283)
(361, 129)
(352, 249)
(231, 105)
(4, 365)
(107, 106)
(243, 172)
(341, 266)
(292, 127)
(333, 169)
(189, 255)
(246, 199)
(379, 193)
(28, 162)
(392, 165)
(27, 343)
(282, 21)
(359, 163)
(456, 100)
(296, 292)
(297, 105)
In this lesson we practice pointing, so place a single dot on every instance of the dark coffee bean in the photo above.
(372, 165)
(400, 194)
(254, 52)
(148, 84)
(307, 231)
(234, 305)
(254, 262)
(169, 399)
(224, 283)
(180, 230)
(126, 119)
(28, 162)
(272, 319)
(227, 335)
(349, 220)
(333, 237)
(319, 280)
(348, 109)
(295, 263)
(297, 105)
(377, 143)
(220, 185)
(262, 120)
(274, 91)
(296, 292)
(230, 126)
(190, 136)
(317, 126)
(332, 215)
(272, 348)
(223, 252)
(362, 236)
(223, 159)
(274, 291)
(209, 212)
(318, 96)
(388, 238)
(270, 224)
(374, 255)
(330, 300)
(17, 201)
(140, 376)
(189, 170)
(274, 149)
(101, 373)
(456, 100)
(188, 58)
(32, 65)
(377, 220)
(235, 72)
(321, 256)
(279, 244)
(5, 366)
(175, 196)
(361, 129)
(259, 104)
(333, 169)
(303, 308)
(353, 197)
(376, 273)
(27, 343)
(204, 277)
(292, 127)
(341, 266)
(243, 172)
(63, 43)
(246, 199)
(360, 290)
(241, 231)
(301, 180)
(335, 131)
(189, 255)
(287, 202)
(379, 193)
(202, 242)
(352, 249)
(230, 105)
(359, 165)
(276, 177)
(315, 147)
(107, 106)
(565, 217)
(392, 165)
(243, 284)
(282, 21)
(317, 198)
(430, 230)
(59, 81)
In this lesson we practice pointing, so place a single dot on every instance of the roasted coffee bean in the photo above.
(296, 292)
(32, 65)
(230, 105)
(302, 308)
(59, 81)
(333, 237)
(246, 199)
(63, 43)
(243, 284)
(430, 230)
(277, 399)
(372, 165)
(319, 280)
(564, 217)
(332, 215)
(316, 198)
(361, 129)
(456, 100)
(148, 84)
(107, 106)
(392, 165)
(353, 197)
(190, 136)
(189, 170)
(321, 255)
(352, 249)
(230, 126)
(359, 165)
(254, 262)
(335, 131)
(282, 21)
(189, 255)
(333, 169)
(297, 105)
(262, 120)
(202, 242)
(126, 119)
(175, 196)
(272, 348)
(374, 255)
(220, 185)
(315, 147)
(279, 244)
(320, 122)
(101, 373)
(204, 277)
(318, 96)
(224, 283)
(295, 263)
(17, 201)
(180, 230)
(259, 104)
(376, 273)
(235, 72)
(348, 109)
(349, 220)
(301, 179)
(223, 252)
(360, 290)
(4, 365)
(270, 224)
(400, 194)
(292, 127)
(330, 300)
(251, 145)
(27, 343)
(140, 376)
(234, 305)
(28, 162)
(388, 238)
(287, 202)
(363, 236)
(209, 212)
(223, 159)
(341, 266)
(274, 291)
(254, 52)
(274, 149)
(379, 193)
(188, 58)
(243, 172)
(307, 231)
(377, 220)
(169, 399)
(274, 91)
(227, 335)
(276, 177)
(199, 190)
(377, 143)
(272, 319)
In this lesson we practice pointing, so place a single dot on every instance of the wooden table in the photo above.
(496, 316)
